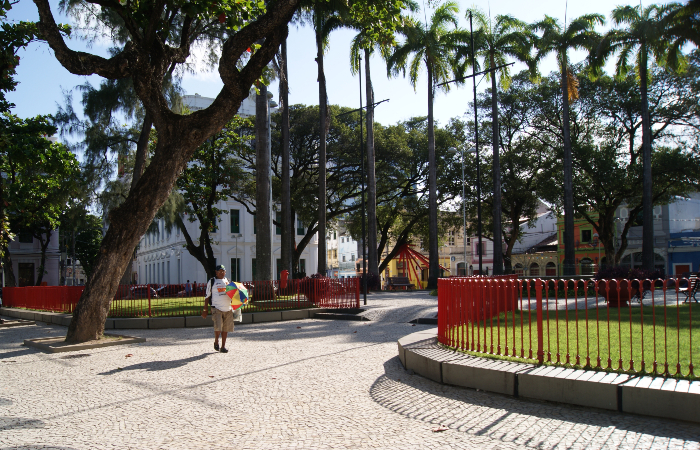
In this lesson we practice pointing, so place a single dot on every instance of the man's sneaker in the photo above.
(216, 346)
(223, 350)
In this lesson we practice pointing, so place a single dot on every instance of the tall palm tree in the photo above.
(325, 16)
(640, 34)
(558, 39)
(434, 45)
(494, 43)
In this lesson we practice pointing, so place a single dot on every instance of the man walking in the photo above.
(221, 310)
(188, 289)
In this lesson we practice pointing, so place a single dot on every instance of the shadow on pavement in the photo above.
(153, 366)
(525, 422)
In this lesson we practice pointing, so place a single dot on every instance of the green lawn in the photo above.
(192, 306)
(639, 335)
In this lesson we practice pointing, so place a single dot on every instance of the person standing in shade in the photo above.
(221, 310)
(188, 289)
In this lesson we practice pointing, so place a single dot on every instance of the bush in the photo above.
(619, 272)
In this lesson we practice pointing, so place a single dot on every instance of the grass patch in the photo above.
(192, 306)
(614, 341)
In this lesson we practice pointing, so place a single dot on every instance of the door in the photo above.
(680, 269)
(26, 274)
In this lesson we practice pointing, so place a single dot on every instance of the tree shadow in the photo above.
(154, 366)
(525, 422)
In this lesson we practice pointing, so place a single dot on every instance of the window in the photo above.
(585, 235)
(301, 230)
(278, 227)
(302, 265)
(551, 269)
(235, 221)
(519, 270)
(469, 241)
(451, 241)
(352, 257)
(587, 266)
(235, 273)
(343, 258)
(534, 270)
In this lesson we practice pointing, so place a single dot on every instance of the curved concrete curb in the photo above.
(658, 397)
(162, 322)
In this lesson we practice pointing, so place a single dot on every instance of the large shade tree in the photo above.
(153, 45)
(640, 33)
(434, 46)
(560, 39)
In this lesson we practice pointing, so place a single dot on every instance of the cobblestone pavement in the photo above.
(308, 384)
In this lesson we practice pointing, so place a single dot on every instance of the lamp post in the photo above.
(596, 236)
(235, 273)
(454, 151)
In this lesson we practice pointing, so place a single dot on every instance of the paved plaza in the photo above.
(306, 384)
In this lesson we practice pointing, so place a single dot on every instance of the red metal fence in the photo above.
(158, 300)
(601, 325)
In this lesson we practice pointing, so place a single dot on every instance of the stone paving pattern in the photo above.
(303, 384)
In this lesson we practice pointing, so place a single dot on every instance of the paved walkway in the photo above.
(309, 384)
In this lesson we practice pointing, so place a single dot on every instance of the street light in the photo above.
(596, 236)
(454, 151)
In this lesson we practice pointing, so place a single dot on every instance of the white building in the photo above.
(26, 260)
(163, 259)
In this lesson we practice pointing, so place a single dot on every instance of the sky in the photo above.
(43, 80)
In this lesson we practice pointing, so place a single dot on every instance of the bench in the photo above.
(397, 282)
(692, 288)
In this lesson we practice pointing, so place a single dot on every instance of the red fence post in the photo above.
(540, 332)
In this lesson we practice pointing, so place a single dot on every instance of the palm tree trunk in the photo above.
(433, 255)
(288, 230)
(263, 219)
(647, 206)
(497, 239)
(371, 179)
(323, 112)
(569, 255)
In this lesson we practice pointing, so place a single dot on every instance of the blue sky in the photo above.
(43, 80)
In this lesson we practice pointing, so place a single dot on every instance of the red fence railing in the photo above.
(628, 326)
(158, 300)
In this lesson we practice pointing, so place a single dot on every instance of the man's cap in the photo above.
(220, 267)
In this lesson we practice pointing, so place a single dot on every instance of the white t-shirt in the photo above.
(217, 289)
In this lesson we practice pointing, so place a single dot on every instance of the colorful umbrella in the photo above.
(238, 294)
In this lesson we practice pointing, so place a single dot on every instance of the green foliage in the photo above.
(214, 174)
(88, 236)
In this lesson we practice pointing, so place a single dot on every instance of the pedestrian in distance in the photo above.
(221, 310)
(188, 289)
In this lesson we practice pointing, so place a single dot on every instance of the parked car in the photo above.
(170, 290)
(142, 292)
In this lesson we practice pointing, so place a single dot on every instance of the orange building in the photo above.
(589, 251)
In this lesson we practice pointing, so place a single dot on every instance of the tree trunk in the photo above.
(323, 113)
(42, 265)
(569, 252)
(288, 228)
(10, 279)
(263, 215)
(647, 205)
(371, 176)
(497, 229)
(433, 255)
